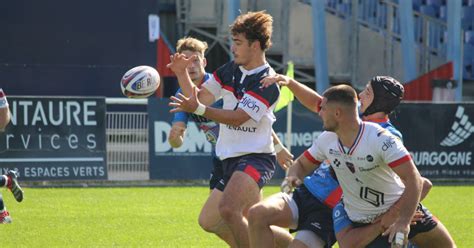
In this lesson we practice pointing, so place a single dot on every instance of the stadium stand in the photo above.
(374, 12)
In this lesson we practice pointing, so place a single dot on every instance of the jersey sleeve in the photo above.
(258, 100)
(180, 116)
(392, 150)
(315, 153)
(214, 83)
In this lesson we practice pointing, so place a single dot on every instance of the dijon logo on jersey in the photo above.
(461, 129)
(250, 103)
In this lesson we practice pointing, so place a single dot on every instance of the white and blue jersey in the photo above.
(209, 127)
(241, 88)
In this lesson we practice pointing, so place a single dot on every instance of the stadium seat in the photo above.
(469, 38)
(428, 10)
(417, 4)
(434, 2)
(443, 13)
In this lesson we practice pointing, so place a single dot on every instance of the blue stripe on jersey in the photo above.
(321, 184)
(340, 218)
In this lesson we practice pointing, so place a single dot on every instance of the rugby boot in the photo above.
(5, 217)
(14, 186)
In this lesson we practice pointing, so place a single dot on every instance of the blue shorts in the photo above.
(313, 215)
(341, 221)
(259, 166)
(217, 172)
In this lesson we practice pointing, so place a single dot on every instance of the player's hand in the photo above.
(277, 78)
(183, 103)
(398, 231)
(293, 181)
(284, 158)
(417, 217)
(289, 183)
(179, 62)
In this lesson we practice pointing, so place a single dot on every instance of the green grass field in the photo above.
(160, 217)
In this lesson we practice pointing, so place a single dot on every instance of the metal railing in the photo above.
(127, 142)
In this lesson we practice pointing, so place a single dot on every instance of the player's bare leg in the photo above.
(240, 194)
(437, 237)
(211, 221)
(272, 211)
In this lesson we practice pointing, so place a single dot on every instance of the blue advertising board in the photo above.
(193, 159)
(55, 138)
(439, 137)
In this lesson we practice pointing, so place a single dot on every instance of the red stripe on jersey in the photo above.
(252, 172)
(310, 157)
(260, 98)
(400, 161)
(217, 78)
(359, 138)
(318, 106)
(381, 120)
(229, 88)
(334, 197)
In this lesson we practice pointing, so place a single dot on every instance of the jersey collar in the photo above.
(255, 70)
(356, 141)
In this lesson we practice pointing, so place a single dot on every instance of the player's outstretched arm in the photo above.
(193, 105)
(308, 97)
(408, 202)
(176, 137)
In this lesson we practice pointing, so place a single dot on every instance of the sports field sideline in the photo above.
(161, 216)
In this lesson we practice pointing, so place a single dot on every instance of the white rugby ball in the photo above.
(140, 82)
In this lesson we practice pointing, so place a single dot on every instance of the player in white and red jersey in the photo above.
(369, 162)
(245, 143)
(379, 98)
(9, 180)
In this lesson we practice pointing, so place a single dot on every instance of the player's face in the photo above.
(366, 97)
(196, 68)
(327, 113)
(241, 49)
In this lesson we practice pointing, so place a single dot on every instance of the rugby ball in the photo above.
(140, 82)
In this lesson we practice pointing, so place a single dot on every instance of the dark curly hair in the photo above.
(256, 26)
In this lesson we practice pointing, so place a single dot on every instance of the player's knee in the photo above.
(206, 224)
(228, 213)
(257, 215)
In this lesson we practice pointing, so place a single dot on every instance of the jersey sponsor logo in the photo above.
(243, 129)
(362, 169)
(370, 158)
(336, 162)
(350, 166)
(387, 144)
(461, 129)
(334, 152)
(250, 103)
(372, 196)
